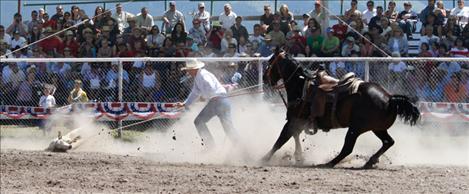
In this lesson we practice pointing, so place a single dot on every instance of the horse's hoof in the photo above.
(326, 165)
(368, 166)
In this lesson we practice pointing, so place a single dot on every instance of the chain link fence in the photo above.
(139, 82)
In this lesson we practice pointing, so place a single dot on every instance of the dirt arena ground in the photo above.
(37, 171)
(423, 160)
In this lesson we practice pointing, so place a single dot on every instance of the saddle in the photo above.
(323, 97)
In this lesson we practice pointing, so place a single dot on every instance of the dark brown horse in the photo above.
(371, 108)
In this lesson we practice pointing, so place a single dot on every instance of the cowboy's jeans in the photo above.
(220, 107)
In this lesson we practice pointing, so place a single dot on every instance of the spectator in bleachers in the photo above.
(440, 12)
(227, 17)
(215, 36)
(76, 15)
(349, 47)
(391, 13)
(93, 82)
(352, 12)
(203, 16)
(429, 36)
(136, 37)
(239, 30)
(451, 30)
(48, 23)
(321, 16)
(266, 47)
(461, 12)
(71, 43)
(459, 50)
(52, 45)
(179, 34)
(34, 35)
(256, 38)
(155, 38)
(267, 18)
(227, 40)
(231, 51)
(172, 17)
(104, 51)
(242, 45)
(407, 19)
(398, 42)
(34, 22)
(314, 43)
(4, 37)
(18, 40)
(40, 13)
(296, 42)
(387, 30)
(198, 33)
(369, 13)
(88, 48)
(437, 27)
(98, 16)
(429, 9)
(121, 17)
(144, 19)
(278, 37)
(424, 50)
(12, 76)
(62, 69)
(396, 73)
(18, 26)
(339, 29)
(455, 90)
(376, 20)
(285, 18)
(149, 84)
(337, 68)
(367, 49)
(59, 13)
(168, 47)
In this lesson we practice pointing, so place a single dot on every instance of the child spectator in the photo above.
(455, 91)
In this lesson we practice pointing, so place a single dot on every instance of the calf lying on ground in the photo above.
(64, 143)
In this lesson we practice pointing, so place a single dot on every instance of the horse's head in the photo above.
(59, 144)
(281, 66)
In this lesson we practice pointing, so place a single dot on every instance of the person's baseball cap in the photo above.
(407, 3)
(351, 39)
(201, 4)
(172, 3)
(118, 5)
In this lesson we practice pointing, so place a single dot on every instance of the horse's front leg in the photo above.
(298, 150)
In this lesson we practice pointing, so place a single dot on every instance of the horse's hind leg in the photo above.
(350, 140)
(298, 150)
(387, 143)
(285, 135)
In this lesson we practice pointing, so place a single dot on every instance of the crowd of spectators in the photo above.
(376, 31)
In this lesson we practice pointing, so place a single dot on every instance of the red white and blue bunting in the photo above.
(101, 111)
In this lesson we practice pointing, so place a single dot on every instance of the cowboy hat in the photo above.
(193, 64)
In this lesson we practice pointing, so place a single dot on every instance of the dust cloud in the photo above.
(259, 124)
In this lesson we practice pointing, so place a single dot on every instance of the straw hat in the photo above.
(193, 64)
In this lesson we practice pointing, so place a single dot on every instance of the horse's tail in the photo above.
(405, 109)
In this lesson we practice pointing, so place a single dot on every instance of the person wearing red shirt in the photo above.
(71, 43)
(340, 30)
(215, 36)
(49, 23)
(455, 91)
(53, 45)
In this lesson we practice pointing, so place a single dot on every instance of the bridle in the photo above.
(269, 75)
(275, 62)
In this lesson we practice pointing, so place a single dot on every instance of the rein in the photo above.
(275, 62)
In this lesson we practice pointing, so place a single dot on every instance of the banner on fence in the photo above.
(101, 111)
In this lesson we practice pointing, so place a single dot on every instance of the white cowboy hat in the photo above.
(193, 64)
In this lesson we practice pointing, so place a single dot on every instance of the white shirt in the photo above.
(205, 85)
(463, 13)
(20, 42)
(146, 22)
(47, 101)
(122, 19)
(227, 20)
(204, 17)
(6, 38)
(426, 39)
(400, 67)
(367, 15)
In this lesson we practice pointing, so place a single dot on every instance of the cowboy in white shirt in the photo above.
(121, 17)
(461, 12)
(207, 86)
(228, 17)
